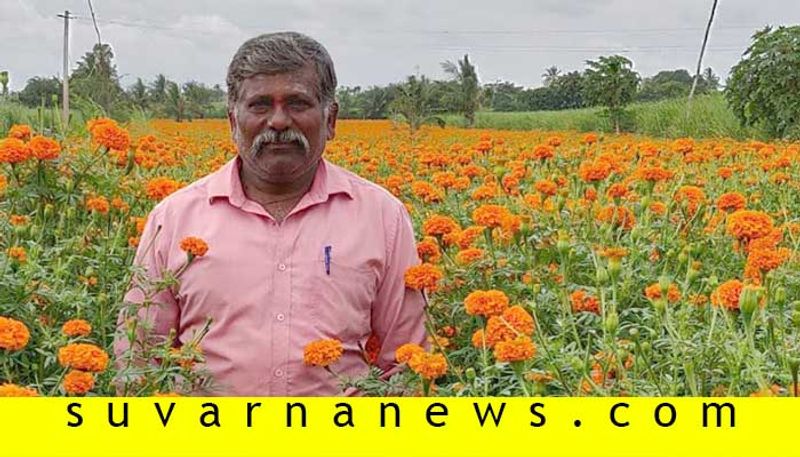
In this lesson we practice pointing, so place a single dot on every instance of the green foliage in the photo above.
(41, 91)
(611, 82)
(764, 87)
(4, 82)
(415, 103)
(96, 79)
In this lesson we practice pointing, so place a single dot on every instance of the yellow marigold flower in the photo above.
(425, 276)
(404, 353)
(429, 366)
(76, 328)
(13, 390)
(322, 353)
(78, 382)
(516, 350)
(83, 356)
(14, 335)
(486, 302)
(194, 246)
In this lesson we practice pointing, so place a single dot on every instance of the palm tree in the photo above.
(175, 102)
(467, 89)
(550, 75)
(158, 88)
(414, 101)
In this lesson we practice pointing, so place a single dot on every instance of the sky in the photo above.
(382, 41)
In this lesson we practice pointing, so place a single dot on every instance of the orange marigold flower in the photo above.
(76, 327)
(17, 220)
(516, 350)
(425, 276)
(20, 132)
(519, 319)
(725, 172)
(44, 148)
(590, 138)
(467, 237)
(658, 208)
(727, 294)
(14, 151)
(78, 382)
(543, 152)
(439, 225)
(479, 339)
(653, 292)
(619, 216)
(111, 136)
(3, 183)
(597, 170)
(490, 215)
(692, 195)
(13, 390)
(428, 250)
(158, 188)
(614, 253)
(404, 353)
(732, 201)
(17, 253)
(98, 205)
(83, 356)
(546, 187)
(654, 173)
(617, 190)
(468, 256)
(486, 302)
(322, 353)
(583, 302)
(746, 225)
(429, 366)
(14, 335)
(194, 246)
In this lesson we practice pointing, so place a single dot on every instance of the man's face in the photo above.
(279, 125)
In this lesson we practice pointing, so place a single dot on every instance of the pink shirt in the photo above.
(266, 285)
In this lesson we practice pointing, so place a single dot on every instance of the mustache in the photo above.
(271, 136)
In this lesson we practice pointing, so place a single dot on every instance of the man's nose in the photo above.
(279, 119)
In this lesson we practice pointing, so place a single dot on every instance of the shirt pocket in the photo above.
(338, 299)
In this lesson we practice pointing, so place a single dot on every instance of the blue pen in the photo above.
(328, 260)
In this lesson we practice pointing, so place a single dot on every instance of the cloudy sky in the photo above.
(381, 41)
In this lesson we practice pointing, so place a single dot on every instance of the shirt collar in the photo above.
(329, 180)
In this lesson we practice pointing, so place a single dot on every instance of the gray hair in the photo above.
(277, 53)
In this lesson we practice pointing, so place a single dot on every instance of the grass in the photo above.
(42, 119)
(708, 117)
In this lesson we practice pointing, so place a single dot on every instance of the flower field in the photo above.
(555, 263)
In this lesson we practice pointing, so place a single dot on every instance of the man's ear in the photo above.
(333, 114)
(232, 122)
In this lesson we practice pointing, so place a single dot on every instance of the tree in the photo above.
(96, 78)
(504, 96)
(764, 87)
(568, 90)
(175, 102)
(4, 82)
(612, 83)
(550, 75)
(138, 94)
(38, 91)
(158, 89)
(467, 88)
(414, 101)
(198, 98)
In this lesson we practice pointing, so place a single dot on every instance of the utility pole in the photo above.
(65, 74)
(703, 50)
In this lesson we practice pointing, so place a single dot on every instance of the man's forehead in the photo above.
(301, 81)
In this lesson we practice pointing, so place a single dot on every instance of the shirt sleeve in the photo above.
(398, 313)
(163, 314)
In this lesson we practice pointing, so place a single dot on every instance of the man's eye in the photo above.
(299, 104)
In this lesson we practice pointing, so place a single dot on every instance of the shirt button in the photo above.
(280, 317)
(279, 373)
(282, 266)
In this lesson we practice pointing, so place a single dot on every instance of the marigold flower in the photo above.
(13, 390)
(469, 256)
(438, 225)
(653, 292)
(20, 132)
(654, 173)
(111, 136)
(597, 170)
(490, 215)
(732, 201)
(614, 253)
(428, 366)
(404, 353)
(543, 152)
(98, 205)
(194, 246)
(17, 220)
(3, 183)
(322, 353)
(486, 302)
(425, 276)
(14, 151)
(159, 188)
(590, 138)
(428, 250)
(746, 225)
(14, 335)
(546, 187)
(617, 190)
(727, 294)
(78, 382)
(83, 356)
(44, 148)
(17, 253)
(619, 216)
(76, 327)
(516, 350)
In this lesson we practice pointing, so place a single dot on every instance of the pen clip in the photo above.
(327, 260)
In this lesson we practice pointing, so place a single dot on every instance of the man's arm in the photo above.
(398, 314)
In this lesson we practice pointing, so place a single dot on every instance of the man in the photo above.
(298, 248)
